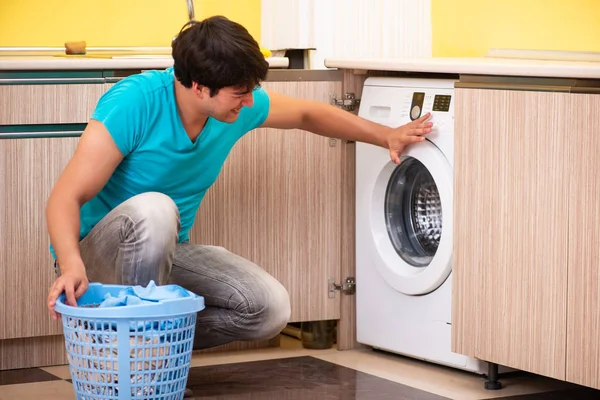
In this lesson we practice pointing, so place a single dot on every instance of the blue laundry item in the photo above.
(151, 294)
(122, 300)
(136, 295)
(156, 293)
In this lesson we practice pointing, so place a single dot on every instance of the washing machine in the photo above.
(404, 226)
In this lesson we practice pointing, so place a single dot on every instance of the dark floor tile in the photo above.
(569, 394)
(29, 375)
(295, 378)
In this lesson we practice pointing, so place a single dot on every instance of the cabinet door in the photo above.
(583, 332)
(511, 232)
(277, 203)
(28, 170)
(49, 104)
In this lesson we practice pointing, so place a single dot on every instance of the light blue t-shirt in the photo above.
(141, 115)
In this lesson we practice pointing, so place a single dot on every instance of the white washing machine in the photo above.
(404, 226)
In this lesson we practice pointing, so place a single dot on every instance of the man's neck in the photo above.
(193, 121)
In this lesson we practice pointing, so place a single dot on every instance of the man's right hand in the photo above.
(73, 282)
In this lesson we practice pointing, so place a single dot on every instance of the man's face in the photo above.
(226, 105)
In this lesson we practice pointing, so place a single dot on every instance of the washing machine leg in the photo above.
(492, 382)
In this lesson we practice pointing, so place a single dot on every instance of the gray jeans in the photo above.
(137, 242)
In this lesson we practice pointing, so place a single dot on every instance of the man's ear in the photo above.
(200, 91)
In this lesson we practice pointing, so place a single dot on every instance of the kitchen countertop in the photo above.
(46, 62)
(475, 66)
(96, 58)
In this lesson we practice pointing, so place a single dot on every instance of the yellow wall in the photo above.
(112, 22)
(469, 28)
(460, 27)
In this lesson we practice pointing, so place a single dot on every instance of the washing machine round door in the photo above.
(412, 220)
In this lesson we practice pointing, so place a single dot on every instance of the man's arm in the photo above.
(94, 161)
(327, 120)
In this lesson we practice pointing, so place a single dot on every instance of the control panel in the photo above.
(422, 103)
(396, 102)
(438, 102)
(395, 106)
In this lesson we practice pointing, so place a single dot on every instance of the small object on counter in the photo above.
(266, 52)
(75, 47)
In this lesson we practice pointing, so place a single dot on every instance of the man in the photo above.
(122, 209)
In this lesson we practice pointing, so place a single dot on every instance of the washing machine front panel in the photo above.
(409, 205)
(411, 220)
(403, 304)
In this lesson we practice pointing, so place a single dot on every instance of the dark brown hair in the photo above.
(217, 52)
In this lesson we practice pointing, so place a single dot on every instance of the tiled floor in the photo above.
(293, 373)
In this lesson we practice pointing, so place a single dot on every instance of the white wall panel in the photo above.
(287, 24)
(348, 28)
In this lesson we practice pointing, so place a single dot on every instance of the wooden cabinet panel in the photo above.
(583, 312)
(511, 188)
(277, 203)
(32, 352)
(48, 104)
(28, 170)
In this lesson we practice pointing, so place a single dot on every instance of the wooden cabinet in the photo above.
(30, 164)
(49, 104)
(28, 170)
(583, 298)
(278, 201)
(512, 185)
(527, 231)
(36, 119)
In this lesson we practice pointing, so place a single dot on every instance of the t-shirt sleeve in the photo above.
(257, 114)
(122, 110)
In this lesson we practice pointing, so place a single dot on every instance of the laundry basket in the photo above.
(140, 351)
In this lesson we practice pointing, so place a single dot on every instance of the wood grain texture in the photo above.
(583, 312)
(511, 183)
(28, 170)
(346, 332)
(48, 104)
(32, 352)
(346, 339)
(277, 203)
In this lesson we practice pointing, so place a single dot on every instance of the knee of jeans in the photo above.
(155, 211)
(269, 312)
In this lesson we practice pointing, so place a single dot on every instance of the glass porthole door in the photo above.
(412, 220)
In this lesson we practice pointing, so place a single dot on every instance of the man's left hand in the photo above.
(398, 138)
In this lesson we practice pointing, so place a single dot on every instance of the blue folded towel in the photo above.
(151, 294)
(135, 295)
